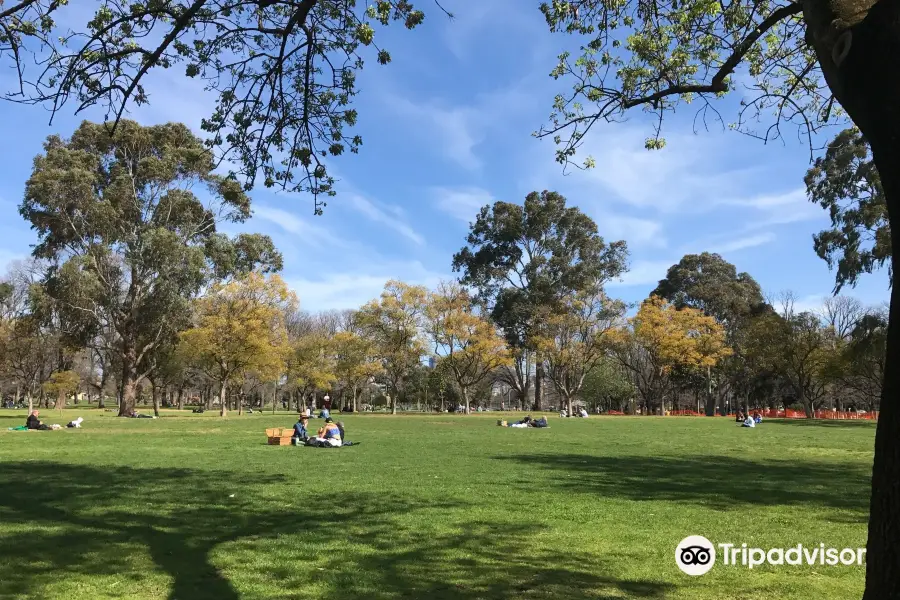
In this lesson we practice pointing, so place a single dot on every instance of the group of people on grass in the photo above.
(580, 412)
(34, 422)
(748, 420)
(528, 422)
(330, 435)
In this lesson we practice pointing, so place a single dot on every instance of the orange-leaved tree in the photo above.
(573, 338)
(468, 345)
(661, 338)
(394, 323)
(239, 329)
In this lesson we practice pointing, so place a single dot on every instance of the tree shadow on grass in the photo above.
(61, 521)
(719, 482)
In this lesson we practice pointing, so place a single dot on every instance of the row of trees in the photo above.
(131, 288)
(285, 78)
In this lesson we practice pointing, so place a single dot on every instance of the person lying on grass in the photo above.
(529, 422)
(32, 422)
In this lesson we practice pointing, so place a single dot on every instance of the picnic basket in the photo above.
(279, 436)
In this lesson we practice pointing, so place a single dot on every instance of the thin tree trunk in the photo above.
(539, 385)
(355, 406)
(223, 407)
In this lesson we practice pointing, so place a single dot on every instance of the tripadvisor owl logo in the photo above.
(695, 555)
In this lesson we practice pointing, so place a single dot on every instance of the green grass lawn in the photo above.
(192, 507)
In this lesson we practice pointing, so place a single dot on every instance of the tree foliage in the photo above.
(846, 183)
(573, 340)
(394, 323)
(709, 283)
(468, 344)
(239, 330)
(522, 258)
(796, 347)
(284, 73)
(132, 242)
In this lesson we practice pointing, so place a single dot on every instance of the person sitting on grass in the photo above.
(757, 418)
(740, 417)
(300, 434)
(748, 422)
(32, 422)
(583, 413)
(328, 436)
(540, 422)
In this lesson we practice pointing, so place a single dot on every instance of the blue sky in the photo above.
(447, 127)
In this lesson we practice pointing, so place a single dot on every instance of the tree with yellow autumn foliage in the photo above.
(312, 364)
(467, 344)
(239, 329)
(394, 323)
(355, 361)
(573, 340)
(661, 338)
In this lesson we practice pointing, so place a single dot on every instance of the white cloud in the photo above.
(644, 272)
(352, 289)
(462, 203)
(635, 231)
(743, 243)
(456, 131)
(389, 215)
(291, 223)
(678, 178)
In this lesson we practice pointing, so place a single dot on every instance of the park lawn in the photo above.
(436, 507)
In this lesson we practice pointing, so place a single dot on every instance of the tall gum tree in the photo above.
(806, 60)
(130, 242)
(524, 258)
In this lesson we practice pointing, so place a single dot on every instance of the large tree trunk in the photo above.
(859, 52)
(154, 393)
(129, 381)
(223, 406)
(180, 402)
(569, 406)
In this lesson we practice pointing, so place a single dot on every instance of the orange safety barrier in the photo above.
(769, 413)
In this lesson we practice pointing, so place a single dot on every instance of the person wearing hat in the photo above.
(300, 434)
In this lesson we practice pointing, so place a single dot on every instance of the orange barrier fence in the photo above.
(781, 414)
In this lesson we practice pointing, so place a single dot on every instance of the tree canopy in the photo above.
(845, 182)
(284, 72)
(132, 241)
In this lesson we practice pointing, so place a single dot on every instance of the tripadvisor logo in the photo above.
(696, 555)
